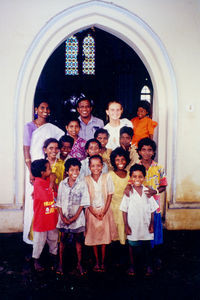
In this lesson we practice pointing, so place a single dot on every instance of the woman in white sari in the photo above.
(35, 133)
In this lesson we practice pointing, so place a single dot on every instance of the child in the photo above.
(100, 227)
(65, 144)
(156, 182)
(72, 197)
(92, 147)
(143, 124)
(114, 112)
(73, 127)
(119, 160)
(45, 214)
(102, 136)
(138, 217)
(51, 150)
(126, 135)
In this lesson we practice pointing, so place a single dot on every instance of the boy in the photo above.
(73, 196)
(138, 213)
(65, 144)
(45, 214)
(126, 135)
(102, 136)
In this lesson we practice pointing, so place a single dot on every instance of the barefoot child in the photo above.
(143, 124)
(100, 227)
(45, 215)
(102, 136)
(72, 197)
(138, 217)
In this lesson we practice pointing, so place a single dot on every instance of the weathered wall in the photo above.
(176, 28)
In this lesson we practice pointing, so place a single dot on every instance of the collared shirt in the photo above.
(87, 130)
(70, 199)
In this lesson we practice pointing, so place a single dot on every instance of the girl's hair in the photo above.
(146, 105)
(114, 101)
(91, 141)
(127, 130)
(97, 157)
(49, 141)
(137, 167)
(37, 166)
(101, 130)
(65, 139)
(72, 162)
(73, 117)
(119, 151)
(147, 142)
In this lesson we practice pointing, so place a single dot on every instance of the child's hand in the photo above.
(128, 230)
(150, 192)
(66, 221)
(151, 229)
(128, 189)
(32, 178)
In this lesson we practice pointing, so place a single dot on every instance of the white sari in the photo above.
(38, 138)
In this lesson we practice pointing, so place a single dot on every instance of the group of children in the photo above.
(102, 191)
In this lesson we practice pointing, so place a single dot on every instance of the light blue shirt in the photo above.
(87, 130)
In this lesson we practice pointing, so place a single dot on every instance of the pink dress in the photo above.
(78, 149)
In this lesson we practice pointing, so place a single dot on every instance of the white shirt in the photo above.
(139, 209)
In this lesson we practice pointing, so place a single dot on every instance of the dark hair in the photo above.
(146, 105)
(65, 139)
(137, 167)
(147, 142)
(127, 130)
(97, 157)
(49, 141)
(84, 99)
(37, 166)
(73, 117)
(72, 162)
(101, 130)
(91, 141)
(39, 101)
(119, 151)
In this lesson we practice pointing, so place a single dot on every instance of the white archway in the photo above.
(138, 35)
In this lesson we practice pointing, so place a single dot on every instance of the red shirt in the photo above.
(45, 213)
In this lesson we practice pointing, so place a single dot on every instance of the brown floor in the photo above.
(178, 279)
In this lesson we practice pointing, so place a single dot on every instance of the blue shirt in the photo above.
(87, 130)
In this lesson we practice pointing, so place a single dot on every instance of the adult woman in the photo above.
(35, 133)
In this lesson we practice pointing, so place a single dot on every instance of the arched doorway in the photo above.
(133, 31)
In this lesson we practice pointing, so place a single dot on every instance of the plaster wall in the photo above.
(175, 27)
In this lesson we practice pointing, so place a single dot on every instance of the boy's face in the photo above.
(103, 139)
(73, 172)
(95, 166)
(93, 149)
(120, 162)
(65, 149)
(73, 128)
(137, 178)
(84, 109)
(141, 112)
(125, 140)
(47, 172)
(146, 152)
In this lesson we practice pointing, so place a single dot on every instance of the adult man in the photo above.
(89, 123)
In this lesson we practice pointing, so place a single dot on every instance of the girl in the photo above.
(73, 196)
(143, 124)
(73, 127)
(119, 160)
(51, 150)
(102, 136)
(100, 227)
(114, 112)
(92, 147)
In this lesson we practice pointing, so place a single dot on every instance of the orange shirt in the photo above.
(142, 128)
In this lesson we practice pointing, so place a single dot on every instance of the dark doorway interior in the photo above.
(119, 75)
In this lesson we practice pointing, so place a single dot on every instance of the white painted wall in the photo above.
(166, 35)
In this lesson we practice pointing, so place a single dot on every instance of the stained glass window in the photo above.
(89, 54)
(71, 53)
(145, 93)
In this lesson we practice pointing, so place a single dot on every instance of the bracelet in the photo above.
(27, 159)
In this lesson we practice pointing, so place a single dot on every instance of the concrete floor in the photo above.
(178, 279)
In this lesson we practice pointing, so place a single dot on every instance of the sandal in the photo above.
(96, 268)
(81, 270)
(59, 271)
(131, 271)
(102, 268)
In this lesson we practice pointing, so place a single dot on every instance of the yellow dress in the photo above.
(58, 169)
(120, 184)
